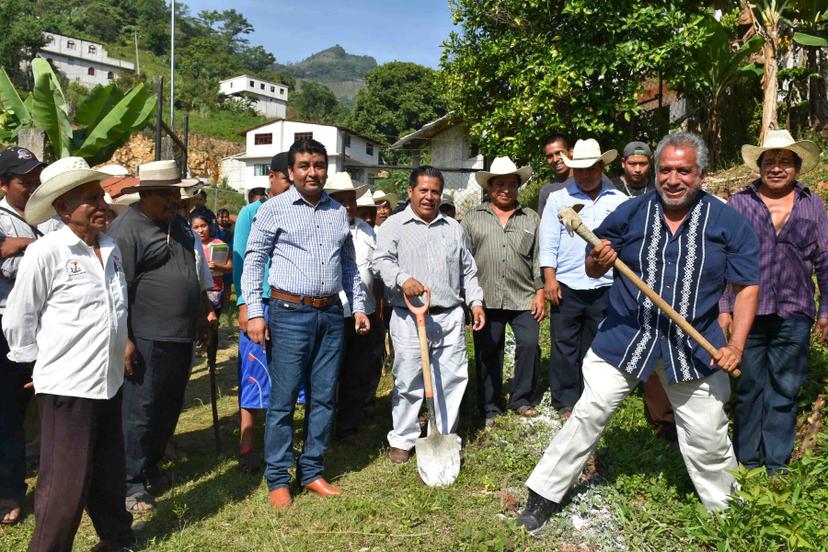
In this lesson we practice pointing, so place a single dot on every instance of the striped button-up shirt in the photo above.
(311, 251)
(434, 253)
(787, 261)
(506, 256)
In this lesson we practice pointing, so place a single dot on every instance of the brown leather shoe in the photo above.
(323, 488)
(398, 455)
(279, 498)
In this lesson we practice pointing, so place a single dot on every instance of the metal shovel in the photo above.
(438, 456)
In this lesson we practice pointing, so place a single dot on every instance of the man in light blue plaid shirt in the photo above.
(306, 235)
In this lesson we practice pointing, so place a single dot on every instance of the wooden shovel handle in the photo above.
(580, 228)
(420, 314)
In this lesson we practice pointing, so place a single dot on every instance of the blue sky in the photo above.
(404, 30)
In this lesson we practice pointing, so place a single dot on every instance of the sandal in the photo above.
(527, 411)
(10, 511)
(249, 461)
(139, 498)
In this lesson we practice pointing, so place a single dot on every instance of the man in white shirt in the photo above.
(68, 314)
(361, 359)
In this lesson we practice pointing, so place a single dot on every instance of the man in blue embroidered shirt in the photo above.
(307, 236)
(686, 245)
(578, 301)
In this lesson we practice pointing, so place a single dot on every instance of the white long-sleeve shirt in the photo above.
(68, 313)
(365, 241)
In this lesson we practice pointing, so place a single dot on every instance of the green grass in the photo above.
(640, 499)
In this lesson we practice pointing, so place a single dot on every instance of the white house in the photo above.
(347, 151)
(82, 61)
(267, 98)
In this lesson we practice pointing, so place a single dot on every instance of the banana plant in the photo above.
(103, 121)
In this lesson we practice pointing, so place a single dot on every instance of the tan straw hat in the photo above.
(586, 153)
(60, 177)
(502, 166)
(807, 151)
(341, 182)
(381, 197)
(159, 175)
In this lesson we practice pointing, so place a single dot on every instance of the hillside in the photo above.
(335, 68)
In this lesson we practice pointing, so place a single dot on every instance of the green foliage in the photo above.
(316, 103)
(399, 98)
(519, 70)
(21, 37)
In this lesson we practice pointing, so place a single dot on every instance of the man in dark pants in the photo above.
(68, 310)
(166, 302)
(578, 301)
(502, 236)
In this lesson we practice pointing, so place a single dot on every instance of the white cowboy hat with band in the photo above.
(503, 166)
(365, 200)
(586, 153)
(60, 177)
(806, 150)
(159, 175)
(341, 182)
(381, 197)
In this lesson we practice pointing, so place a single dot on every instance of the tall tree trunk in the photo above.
(770, 84)
(817, 101)
(713, 132)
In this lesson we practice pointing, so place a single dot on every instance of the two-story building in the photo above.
(83, 61)
(347, 151)
(267, 98)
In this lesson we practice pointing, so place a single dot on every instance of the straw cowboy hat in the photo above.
(120, 205)
(159, 175)
(586, 153)
(341, 182)
(807, 151)
(502, 166)
(365, 200)
(381, 197)
(56, 179)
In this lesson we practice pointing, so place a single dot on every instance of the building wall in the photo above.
(271, 108)
(245, 83)
(358, 150)
(78, 69)
(74, 57)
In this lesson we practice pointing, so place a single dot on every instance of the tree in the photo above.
(812, 35)
(21, 36)
(316, 103)
(519, 70)
(398, 98)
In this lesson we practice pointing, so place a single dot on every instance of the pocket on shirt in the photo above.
(525, 243)
(801, 234)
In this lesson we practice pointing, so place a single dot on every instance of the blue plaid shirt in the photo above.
(310, 247)
(689, 269)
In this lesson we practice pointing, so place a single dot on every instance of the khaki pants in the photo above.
(701, 424)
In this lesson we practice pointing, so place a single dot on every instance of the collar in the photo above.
(486, 206)
(800, 188)
(409, 215)
(67, 237)
(573, 189)
(295, 197)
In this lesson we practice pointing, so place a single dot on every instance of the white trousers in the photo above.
(700, 421)
(449, 367)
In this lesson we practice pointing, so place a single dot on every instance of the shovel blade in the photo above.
(438, 459)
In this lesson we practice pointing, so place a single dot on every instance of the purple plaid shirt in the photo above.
(787, 262)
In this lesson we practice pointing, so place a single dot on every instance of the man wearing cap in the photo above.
(386, 203)
(68, 314)
(555, 146)
(307, 238)
(635, 163)
(419, 249)
(578, 301)
(687, 245)
(792, 226)
(447, 206)
(502, 235)
(254, 382)
(361, 359)
(168, 307)
(19, 176)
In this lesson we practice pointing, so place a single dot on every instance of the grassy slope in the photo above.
(641, 498)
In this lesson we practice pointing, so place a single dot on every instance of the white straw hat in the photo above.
(365, 200)
(586, 153)
(60, 177)
(381, 197)
(341, 182)
(159, 175)
(502, 166)
(807, 151)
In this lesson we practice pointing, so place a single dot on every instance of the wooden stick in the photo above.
(570, 219)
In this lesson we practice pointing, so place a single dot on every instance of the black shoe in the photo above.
(536, 513)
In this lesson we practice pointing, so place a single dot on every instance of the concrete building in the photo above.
(267, 98)
(347, 151)
(80, 60)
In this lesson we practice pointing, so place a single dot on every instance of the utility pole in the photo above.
(137, 59)
(172, 65)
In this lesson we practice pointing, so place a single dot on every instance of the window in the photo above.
(252, 84)
(70, 44)
(261, 86)
(261, 170)
(302, 136)
(369, 149)
(49, 60)
(231, 84)
(263, 139)
(110, 75)
(347, 140)
(91, 71)
(282, 91)
(92, 49)
(49, 39)
(273, 89)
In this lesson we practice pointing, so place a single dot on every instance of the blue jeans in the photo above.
(13, 402)
(306, 347)
(774, 366)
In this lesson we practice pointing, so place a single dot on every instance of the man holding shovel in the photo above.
(421, 248)
(686, 245)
